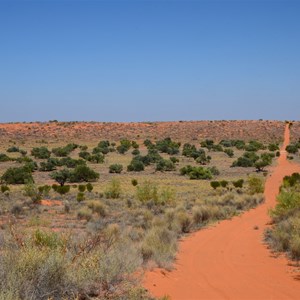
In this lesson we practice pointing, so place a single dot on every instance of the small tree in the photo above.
(83, 173)
(61, 176)
(260, 165)
(215, 184)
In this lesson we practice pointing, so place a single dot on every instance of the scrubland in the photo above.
(85, 219)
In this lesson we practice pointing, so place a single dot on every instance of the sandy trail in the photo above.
(230, 260)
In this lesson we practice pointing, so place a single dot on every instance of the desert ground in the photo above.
(146, 210)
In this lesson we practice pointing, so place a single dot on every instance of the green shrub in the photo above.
(256, 185)
(70, 162)
(13, 149)
(287, 201)
(47, 166)
(40, 152)
(80, 197)
(81, 188)
(174, 159)
(47, 239)
(17, 176)
(44, 189)
(238, 183)
(147, 191)
(4, 157)
(115, 168)
(135, 145)
(93, 158)
(4, 188)
(83, 173)
(224, 183)
(64, 151)
(165, 165)
(247, 160)
(168, 146)
(273, 147)
(229, 152)
(61, 176)
(207, 144)
(62, 190)
(215, 184)
(292, 149)
(196, 172)
(89, 187)
(166, 196)
(134, 182)
(113, 191)
(136, 166)
(260, 165)
(124, 146)
(32, 191)
(135, 152)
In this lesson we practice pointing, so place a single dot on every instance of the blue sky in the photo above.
(149, 60)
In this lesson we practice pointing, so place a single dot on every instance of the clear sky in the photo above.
(149, 60)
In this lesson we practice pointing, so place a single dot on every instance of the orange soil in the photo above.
(186, 131)
(51, 202)
(230, 260)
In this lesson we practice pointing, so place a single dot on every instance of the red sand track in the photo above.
(230, 261)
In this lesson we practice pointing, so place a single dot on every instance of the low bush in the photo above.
(134, 182)
(136, 166)
(229, 152)
(238, 183)
(165, 165)
(113, 190)
(97, 207)
(81, 188)
(147, 191)
(159, 245)
(115, 168)
(40, 152)
(89, 187)
(80, 197)
(4, 157)
(4, 188)
(64, 151)
(196, 172)
(255, 185)
(17, 176)
(61, 189)
(215, 184)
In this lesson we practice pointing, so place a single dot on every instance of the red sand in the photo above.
(51, 202)
(230, 260)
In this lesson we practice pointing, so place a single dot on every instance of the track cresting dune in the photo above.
(230, 260)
